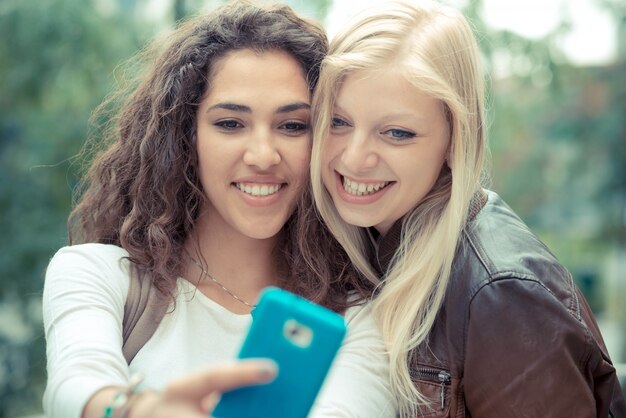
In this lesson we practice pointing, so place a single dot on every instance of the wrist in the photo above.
(124, 399)
(142, 405)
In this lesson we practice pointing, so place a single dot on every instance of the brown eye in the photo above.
(228, 124)
(295, 127)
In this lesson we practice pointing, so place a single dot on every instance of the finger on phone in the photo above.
(222, 378)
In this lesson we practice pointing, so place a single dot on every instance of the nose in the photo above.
(359, 154)
(261, 151)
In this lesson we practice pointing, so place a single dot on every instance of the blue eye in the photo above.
(337, 122)
(399, 134)
(228, 124)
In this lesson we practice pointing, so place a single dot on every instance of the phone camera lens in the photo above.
(297, 334)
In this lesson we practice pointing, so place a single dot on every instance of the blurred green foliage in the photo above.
(56, 61)
(557, 133)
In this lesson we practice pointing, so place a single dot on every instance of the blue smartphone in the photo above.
(302, 338)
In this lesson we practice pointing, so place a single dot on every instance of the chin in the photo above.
(264, 236)
(263, 231)
(353, 219)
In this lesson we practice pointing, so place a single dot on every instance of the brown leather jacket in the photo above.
(514, 337)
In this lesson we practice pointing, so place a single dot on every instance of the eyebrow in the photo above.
(416, 117)
(246, 109)
(230, 106)
(293, 107)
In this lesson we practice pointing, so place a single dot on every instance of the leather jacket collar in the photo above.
(389, 243)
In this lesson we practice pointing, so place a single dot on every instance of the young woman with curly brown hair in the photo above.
(202, 195)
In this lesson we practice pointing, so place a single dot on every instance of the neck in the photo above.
(242, 264)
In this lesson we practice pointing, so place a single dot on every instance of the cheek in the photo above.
(203, 159)
(330, 150)
(327, 174)
(215, 160)
(298, 157)
(206, 153)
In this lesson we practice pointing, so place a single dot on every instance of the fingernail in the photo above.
(268, 369)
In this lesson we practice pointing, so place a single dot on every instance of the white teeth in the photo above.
(259, 190)
(360, 189)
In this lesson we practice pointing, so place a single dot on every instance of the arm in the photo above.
(526, 354)
(83, 303)
(192, 396)
(358, 382)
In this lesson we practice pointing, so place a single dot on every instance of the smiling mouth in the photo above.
(259, 190)
(362, 189)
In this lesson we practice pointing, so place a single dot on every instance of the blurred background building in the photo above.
(557, 131)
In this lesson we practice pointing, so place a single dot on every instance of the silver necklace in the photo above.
(214, 280)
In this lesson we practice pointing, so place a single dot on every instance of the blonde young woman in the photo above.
(479, 317)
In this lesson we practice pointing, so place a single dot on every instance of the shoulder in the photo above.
(361, 323)
(359, 313)
(500, 261)
(498, 245)
(501, 241)
(92, 265)
(84, 255)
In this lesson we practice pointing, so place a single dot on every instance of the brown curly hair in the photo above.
(142, 190)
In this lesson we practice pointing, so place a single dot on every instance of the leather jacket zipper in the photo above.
(442, 376)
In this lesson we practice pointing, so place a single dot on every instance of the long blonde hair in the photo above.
(435, 49)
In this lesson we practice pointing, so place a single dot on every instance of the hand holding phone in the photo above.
(302, 338)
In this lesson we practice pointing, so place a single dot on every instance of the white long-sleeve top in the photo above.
(83, 306)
